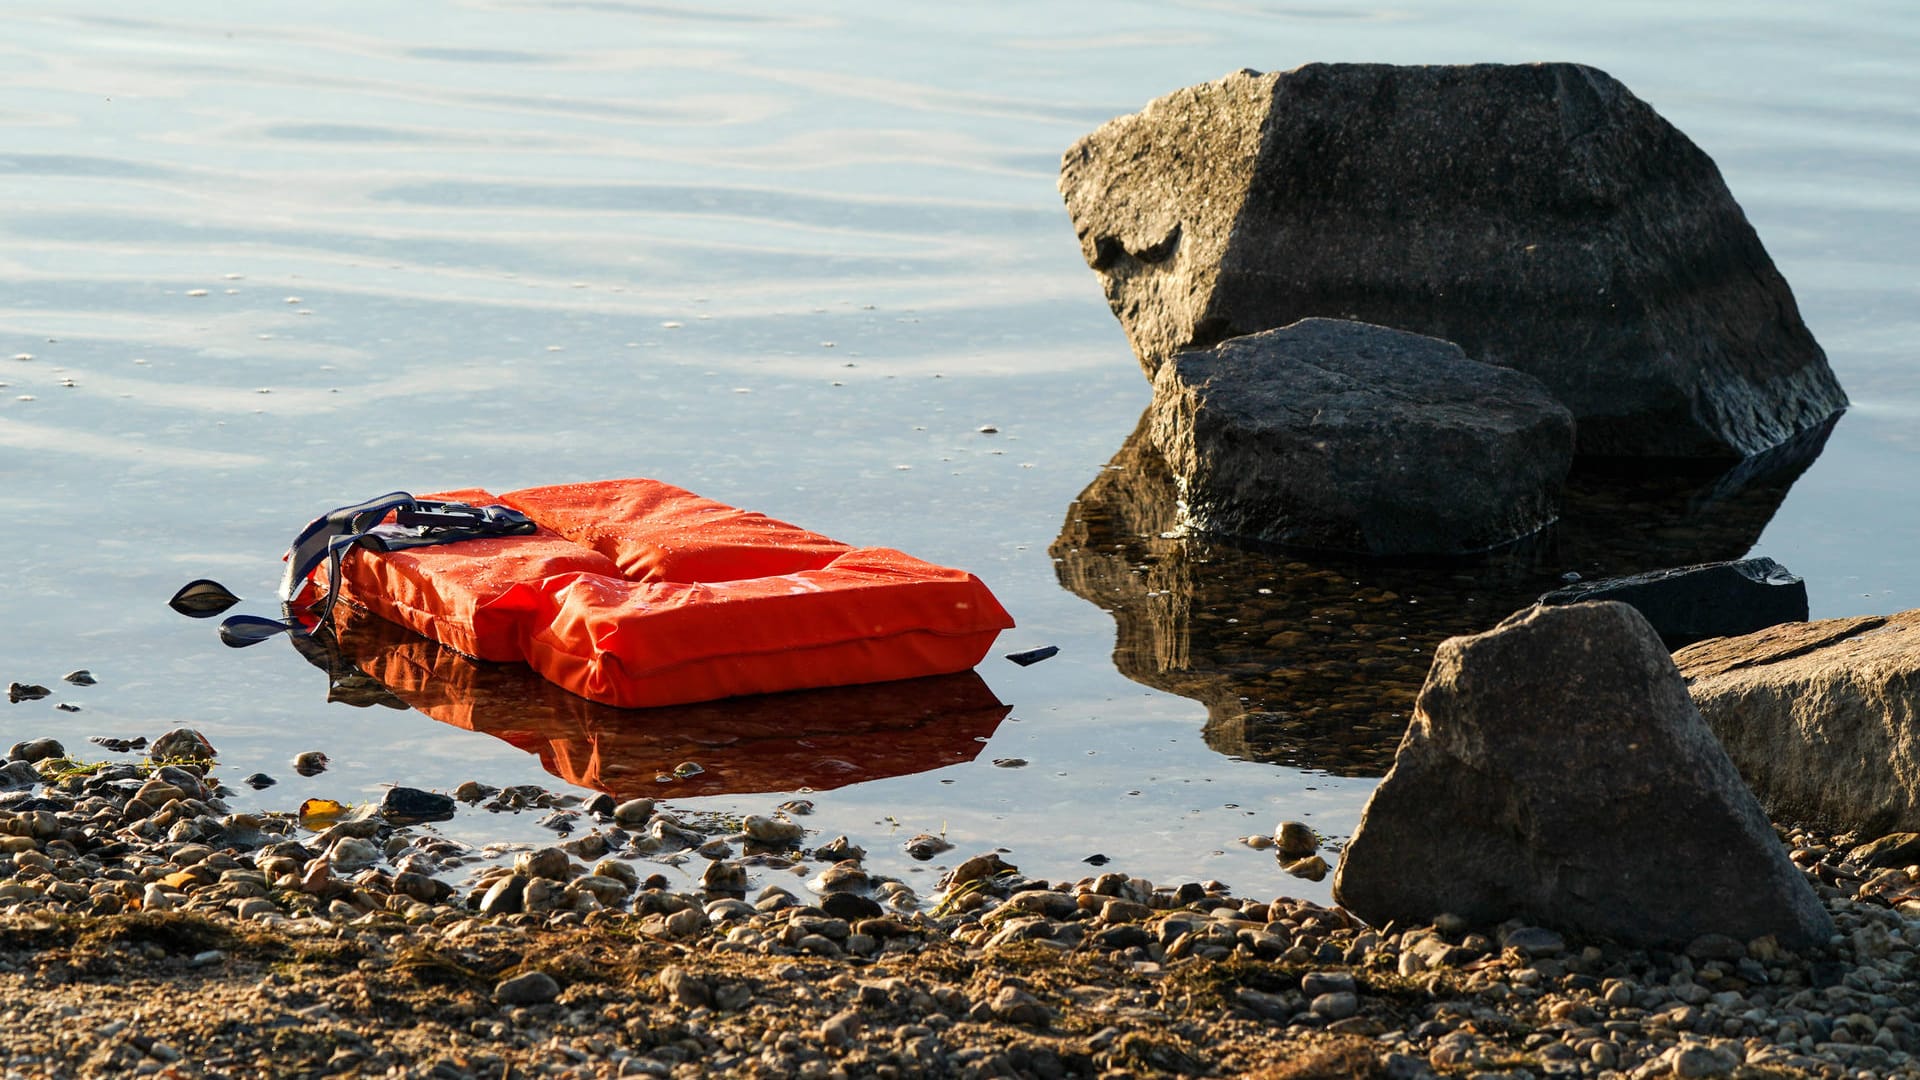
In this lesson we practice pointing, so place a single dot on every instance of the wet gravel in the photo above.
(146, 929)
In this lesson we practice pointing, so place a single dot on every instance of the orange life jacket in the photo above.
(638, 593)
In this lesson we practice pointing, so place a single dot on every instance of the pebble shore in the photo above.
(147, 930)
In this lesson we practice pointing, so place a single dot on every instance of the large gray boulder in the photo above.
(1556, 771)
(1351, 437)
(1823, 718)
(1539, 215)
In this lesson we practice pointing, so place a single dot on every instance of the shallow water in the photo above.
(265, 264)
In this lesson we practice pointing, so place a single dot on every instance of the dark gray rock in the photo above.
(1539, 215)
(407, 806)
(1819, 716)
(1555, 771)
(1690, 603)
(1345, 436)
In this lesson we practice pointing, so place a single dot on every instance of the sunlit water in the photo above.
(269, 261)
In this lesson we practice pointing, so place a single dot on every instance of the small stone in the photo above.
(926, 845)
(1311, 868)
(37, 750)
(624, 873)
(1537, 942)
(551, 863)
(82, 677)
(16, 775)
(258, 781)
(775, 832)
(840, 849)
(19, 692)
(1701, 1061)
(841, 1029)
(310, 763)
(844, 876)
(686, 770)
(684, 988)
(472, 791)
(183, 744)
(506, 896)
(1316, 983)
(850, 906)
(1296, 840)
(1336, 1006)
(633, 812)
(977, 868)
(1012, 1005)
(406, 805)
(1010, 763)
(724, 877)
(531, 988)
(351, 853)
(686, 923)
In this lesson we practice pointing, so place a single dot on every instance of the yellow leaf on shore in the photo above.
(318, 813)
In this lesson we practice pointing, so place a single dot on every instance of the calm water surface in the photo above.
(270, 262)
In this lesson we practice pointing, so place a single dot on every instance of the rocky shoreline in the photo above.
(144, 929)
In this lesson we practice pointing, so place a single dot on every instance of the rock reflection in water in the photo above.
(1312, 659)
(818, 739)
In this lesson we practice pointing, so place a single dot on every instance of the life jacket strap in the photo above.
(329, 537)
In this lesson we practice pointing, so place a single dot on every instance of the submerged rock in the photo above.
(1539, 215)
(1340, 435)
(1689, 603)
(1555, 771)
(1819, 716)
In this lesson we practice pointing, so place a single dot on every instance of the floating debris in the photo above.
(1033, 656)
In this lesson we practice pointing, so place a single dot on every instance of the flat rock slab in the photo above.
(1346, 436)
(1823, 718)
(1539, 215)
(1690, 603)
(1556, 771)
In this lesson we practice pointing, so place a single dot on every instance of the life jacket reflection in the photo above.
(820, 739)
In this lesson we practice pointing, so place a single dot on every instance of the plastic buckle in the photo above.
(440, 515)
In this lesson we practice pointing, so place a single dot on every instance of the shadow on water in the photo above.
(1313, 659)
(819, 739)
